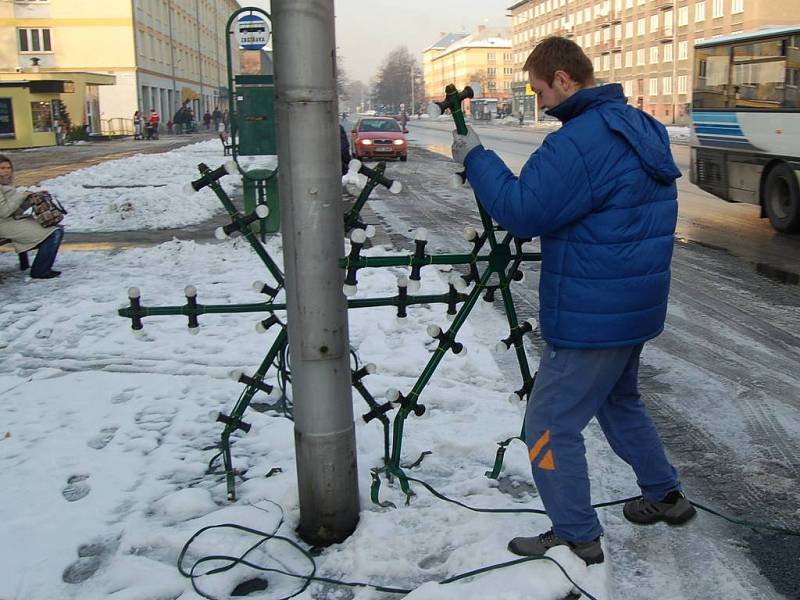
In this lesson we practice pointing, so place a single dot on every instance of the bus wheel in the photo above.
(782, 199)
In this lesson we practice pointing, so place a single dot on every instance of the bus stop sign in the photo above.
(252, 32)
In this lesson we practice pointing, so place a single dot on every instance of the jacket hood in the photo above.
(646, 136)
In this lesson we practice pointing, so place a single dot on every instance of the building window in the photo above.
(628, 3)
(718, 9)
(737, 6)
(683, 82)
(654, 23)
(606, 62)
(7, 130)
(640, 56)
(683, 50)
(491, 56)
(667, 52)
(34, 40)
(683, 16)
(640, 26)
(629, 58)
(42, 117)
(507, 71)
(654, 86)
(597, 64)
(666, 84)
(628, 88)
(629, 29)
(699, 12)
(507, 56)
(618, 60)
(491, 72)
(653, 55)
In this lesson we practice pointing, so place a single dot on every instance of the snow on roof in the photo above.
(447, 40)
(483, 38)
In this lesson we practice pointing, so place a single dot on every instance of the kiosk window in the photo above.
(6, 118)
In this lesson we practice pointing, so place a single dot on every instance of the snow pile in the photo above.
(109, 440)
(678, 134)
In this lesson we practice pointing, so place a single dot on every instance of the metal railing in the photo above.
(116, 126)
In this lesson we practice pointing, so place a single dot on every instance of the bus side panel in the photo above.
(776, 134)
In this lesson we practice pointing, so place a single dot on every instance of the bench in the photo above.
(23, 256)
(226, 144)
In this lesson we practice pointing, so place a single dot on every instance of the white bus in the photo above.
(746, 121)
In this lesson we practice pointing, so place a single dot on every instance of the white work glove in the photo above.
(463, 144)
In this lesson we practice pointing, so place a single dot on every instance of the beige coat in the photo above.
(24, 233)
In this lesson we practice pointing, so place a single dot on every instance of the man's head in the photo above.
(557, 68)
(6, 170)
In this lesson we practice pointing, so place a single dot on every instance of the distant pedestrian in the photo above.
(521, 117)
(137, 125)
(152, 125)
(207, 120)
(178, 120)
(217, 116)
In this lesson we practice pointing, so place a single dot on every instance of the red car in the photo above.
(377, 138)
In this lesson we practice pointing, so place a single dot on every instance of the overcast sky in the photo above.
(367, 30)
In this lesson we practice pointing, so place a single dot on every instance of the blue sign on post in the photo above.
(252, 32)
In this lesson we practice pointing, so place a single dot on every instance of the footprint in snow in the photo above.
(77, 488)
(102, 438)
(90, 558)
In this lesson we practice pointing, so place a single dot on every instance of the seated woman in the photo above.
(25, 232)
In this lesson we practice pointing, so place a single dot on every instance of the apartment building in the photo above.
(646, 45)
(483, 56)
(162, 53)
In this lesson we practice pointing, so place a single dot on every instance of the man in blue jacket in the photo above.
(600, 193)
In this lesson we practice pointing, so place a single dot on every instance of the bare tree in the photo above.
(392, 84)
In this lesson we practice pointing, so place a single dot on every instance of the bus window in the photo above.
(759, 75)
(792, 99)
(711, 77)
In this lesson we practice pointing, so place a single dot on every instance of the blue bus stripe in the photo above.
(714, 117)
(717, 130)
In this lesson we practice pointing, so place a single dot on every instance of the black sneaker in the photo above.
(590, 552)
(673, 509)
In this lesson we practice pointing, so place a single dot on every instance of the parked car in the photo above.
(378, 138)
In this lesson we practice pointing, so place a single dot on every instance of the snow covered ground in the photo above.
(105, 439)
(146, 191)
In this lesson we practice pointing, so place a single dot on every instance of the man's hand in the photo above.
(463, 144)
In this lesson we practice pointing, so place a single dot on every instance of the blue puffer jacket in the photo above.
(601, 193)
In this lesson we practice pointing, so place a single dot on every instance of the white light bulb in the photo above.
(402, 282)
(213, 416)
(349, 290)
(358, 236)
(139, 334)
(190, 291)
(235, 374)
(421, 235)
(434, 110)
(371, 368)
(262, 211)
(275, 394)
(220, 234)
(470, 233)
(434, 331)
(133, 293)
(194, 330)
(450, 317)
(456, 182)
(231, 167)
(396, 187)
(392, 395)
(260, 327)
(353, 166)
(370, 231)
(534, 323)
(514, 399)
(413, 286)
(361, 180)
(500, 347)
(188, 189)
(258, 285)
